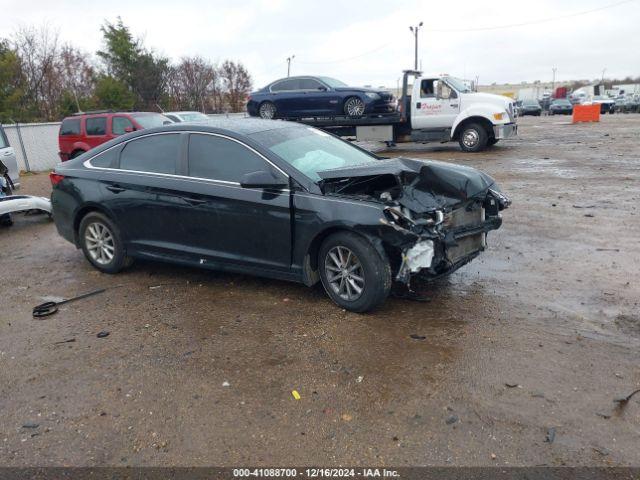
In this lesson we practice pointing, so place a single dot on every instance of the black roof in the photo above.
(238, 125)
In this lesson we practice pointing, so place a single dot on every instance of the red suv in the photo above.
(83, 131)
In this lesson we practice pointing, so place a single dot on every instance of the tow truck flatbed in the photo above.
(345, 121)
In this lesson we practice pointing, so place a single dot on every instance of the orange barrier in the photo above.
(586, 113)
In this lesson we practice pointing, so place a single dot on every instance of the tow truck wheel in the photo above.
(492, 141)
(267, 110)
(473, 138)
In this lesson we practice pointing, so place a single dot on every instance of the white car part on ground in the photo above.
(22, 203)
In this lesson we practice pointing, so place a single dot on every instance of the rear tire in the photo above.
(353, 273)
(267, 110)
(473, 137)
(102, 244)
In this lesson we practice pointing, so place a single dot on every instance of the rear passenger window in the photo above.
(219, 158)
(106, 159)
(153, 153)
(70, 126)
(286, 85)
(96, 125)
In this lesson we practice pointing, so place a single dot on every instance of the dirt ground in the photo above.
(541, 332)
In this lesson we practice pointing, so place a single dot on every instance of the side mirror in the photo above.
(263, 179)
(322, 88)
(129, 129)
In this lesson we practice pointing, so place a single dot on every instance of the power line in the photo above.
(533, 22)
(369, 52)
(474, 29)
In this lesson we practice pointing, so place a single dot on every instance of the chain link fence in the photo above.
(35, 144)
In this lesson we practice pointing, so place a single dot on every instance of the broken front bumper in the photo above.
(505, 131)
(431, 258)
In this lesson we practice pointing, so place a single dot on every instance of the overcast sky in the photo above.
(364, 42)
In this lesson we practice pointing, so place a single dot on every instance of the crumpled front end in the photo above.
(436, 215)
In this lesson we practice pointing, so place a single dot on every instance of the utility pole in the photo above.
(414, 30)
(289, 64)
(603, 70)
(553, 82)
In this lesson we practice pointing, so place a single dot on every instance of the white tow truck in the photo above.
(437, 108)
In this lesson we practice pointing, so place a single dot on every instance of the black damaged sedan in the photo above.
(276, 199)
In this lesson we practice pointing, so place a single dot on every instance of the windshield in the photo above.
(458, 84)
(193, 117)
(561, 102)
(531, 103)
(311, 151)
(333, 83)
(150, 120)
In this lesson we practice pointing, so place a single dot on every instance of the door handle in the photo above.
(418, 105)
(6, 154)
(453, 104)
(115, 188)
(194, 201)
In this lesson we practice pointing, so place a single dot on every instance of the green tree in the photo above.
(11, 92)
(113, 94)
(128, 61)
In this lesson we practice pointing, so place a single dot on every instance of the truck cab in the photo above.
(443, 108)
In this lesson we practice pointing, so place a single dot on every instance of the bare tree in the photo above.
(236, 83)
(76, 73)
(38, 49)
(194, 85)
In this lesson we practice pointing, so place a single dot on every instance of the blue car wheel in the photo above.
(354, 107)
(267, 110)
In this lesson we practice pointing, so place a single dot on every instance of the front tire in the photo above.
(354, 107)
(354, 275)
(473, 138)
(492, 141)
(102, 244)
(267, 110)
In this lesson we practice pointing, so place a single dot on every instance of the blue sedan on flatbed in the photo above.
(296, 97)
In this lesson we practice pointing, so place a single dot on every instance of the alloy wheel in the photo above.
(345, 275)
(100, 243)
(354, 107)
(267, 111)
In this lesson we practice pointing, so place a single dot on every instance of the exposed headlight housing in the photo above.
(372, 95)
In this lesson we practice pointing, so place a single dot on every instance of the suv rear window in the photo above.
(96, 125)
(70, 126)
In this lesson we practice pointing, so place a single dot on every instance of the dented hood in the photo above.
(425, 185)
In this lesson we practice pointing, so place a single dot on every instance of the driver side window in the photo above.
(445, 91)
(219, 158)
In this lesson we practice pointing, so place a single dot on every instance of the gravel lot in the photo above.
(542, 331)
